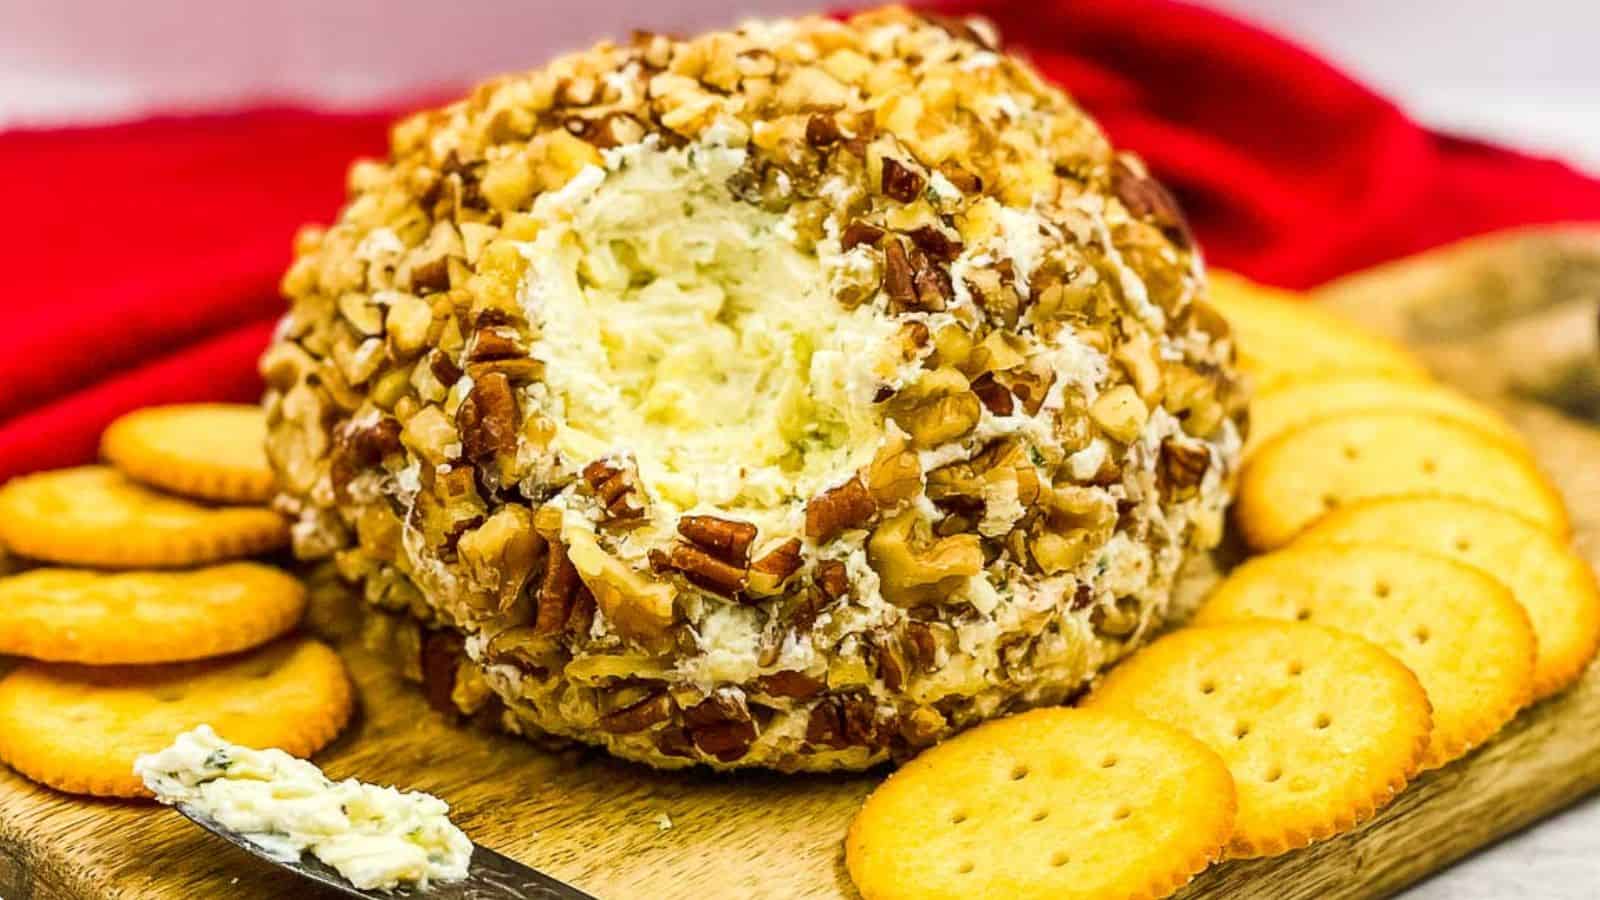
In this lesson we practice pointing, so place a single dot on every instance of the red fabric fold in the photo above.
(144, 258)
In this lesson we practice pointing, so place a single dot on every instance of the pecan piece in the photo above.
(1182, 467)
(832, 578)
(443, 368)
(356, 447)
(790, 683)
(487, 420)
(922, 648)
(1146, 198)
(858, 233)
(767, 574)
(840, 722)
(897, 277)
(615, 486)
(822, 130)
(900, 182)
(965, 181)
(915, 567)
(652, 710)
(706, 570)
(890, 655)
(934, 242)
(847, 506)
(725, 538)
(721, 725)
(557, 591)
(931, 282)
(994, 395)
(493, 344)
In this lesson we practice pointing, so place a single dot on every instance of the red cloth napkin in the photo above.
(143, 258)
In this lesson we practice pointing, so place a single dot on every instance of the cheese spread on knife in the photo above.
(376, 837)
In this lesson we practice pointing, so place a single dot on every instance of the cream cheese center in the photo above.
(687, 327)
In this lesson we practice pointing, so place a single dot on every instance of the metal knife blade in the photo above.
(490, 875)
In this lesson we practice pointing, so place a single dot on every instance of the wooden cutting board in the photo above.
(1511, 319)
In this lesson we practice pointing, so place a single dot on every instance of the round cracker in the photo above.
(1287, 406)
(78, 729)
(96, 516)
(74, 615)
(1320, 728)
(212, 451)
(1060, 803)
(1282, 336)
(1461, 632)
(1552, 582)
(1301, 476)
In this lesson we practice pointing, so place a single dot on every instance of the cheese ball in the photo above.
(791, 396)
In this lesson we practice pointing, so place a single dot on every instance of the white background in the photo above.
(1524, 73)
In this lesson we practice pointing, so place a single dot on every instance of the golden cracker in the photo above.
(1282, 336)
(1287, 406)
(96, 516)
(1461, 632)
(1552, 582)
(212, 451)
(78, 729)
(75, 615)
(1319, 728)
(1303, 475)
(1059, 803)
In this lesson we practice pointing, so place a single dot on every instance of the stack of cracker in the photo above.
(1417, 590)
(127, 593)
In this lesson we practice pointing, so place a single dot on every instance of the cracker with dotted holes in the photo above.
(1303, 475)
(96, 516)
(1283, 336)
(1320, 729)
(1552, 582)
(78, 729)
(1460, 631)
(1284, 407)
(211, 451)
(75, 615)
(1059, 803)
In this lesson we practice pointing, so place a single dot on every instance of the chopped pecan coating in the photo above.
(558, 590)
(1182, 467)
(832, 578)
(838, 722)
(822, 130)
(964, 180)
(721, 725)
(938, 408)
(443, 368)
(847, 506)
(767, 574)
(494, 344)
(487, 419)
(727, 539)
(890, 655)
(858, 233)
(922, 648)
(357, 447)
(706, 570)
(616, 487)
(994, 395)
(790, 683)
(934, 242)
(501, 553)
(639, 607)
(1146, 198)
(652, 710)
(931, 282)
(898, 281)
(900, 182)
(895, 474)
(914, 567)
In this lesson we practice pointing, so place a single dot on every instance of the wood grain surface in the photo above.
(1511, 319)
